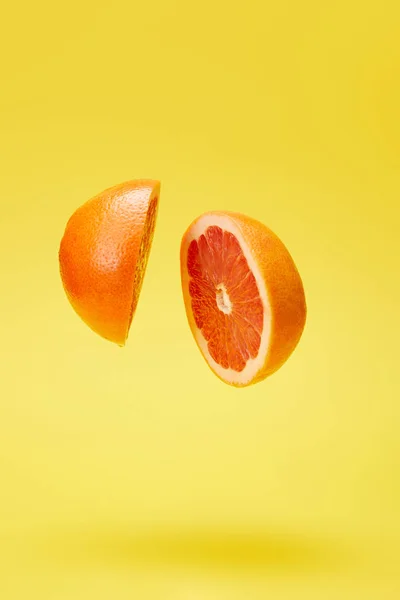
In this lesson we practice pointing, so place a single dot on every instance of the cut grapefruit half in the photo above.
(243, 295)
(103, 255)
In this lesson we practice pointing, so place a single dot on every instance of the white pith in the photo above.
(253, 365)
(222, 299)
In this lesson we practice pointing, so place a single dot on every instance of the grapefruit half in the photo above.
(103, 255)
(243, 295)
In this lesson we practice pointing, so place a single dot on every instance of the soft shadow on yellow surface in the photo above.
(212, 550)
(190, 564)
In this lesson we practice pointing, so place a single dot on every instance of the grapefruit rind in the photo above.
(103, 256)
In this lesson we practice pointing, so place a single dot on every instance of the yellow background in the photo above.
(135, 473)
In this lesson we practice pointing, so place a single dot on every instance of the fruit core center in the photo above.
(223, 301)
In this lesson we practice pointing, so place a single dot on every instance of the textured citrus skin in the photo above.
(103, 255)
(283, 284)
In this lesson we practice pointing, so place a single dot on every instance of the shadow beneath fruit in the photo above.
(211, 550)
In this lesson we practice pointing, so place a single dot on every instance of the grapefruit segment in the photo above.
(103, 255)
(243, 295)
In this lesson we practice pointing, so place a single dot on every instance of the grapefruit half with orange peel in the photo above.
(103, 255)
(243, 295)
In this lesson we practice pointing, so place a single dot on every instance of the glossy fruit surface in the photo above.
(103, 255)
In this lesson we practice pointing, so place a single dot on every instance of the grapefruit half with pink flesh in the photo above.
(243, 295)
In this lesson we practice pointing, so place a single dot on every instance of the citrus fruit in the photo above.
(243, 295)
(103, 255)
